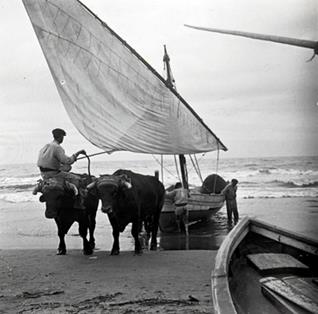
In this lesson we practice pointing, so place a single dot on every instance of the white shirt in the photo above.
(180, 196)
(53, 156)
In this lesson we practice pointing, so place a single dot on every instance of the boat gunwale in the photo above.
(221, 295)
(207, 202)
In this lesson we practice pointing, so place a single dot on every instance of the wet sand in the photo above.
(23, 225)
(34, 280)
(298, 214)
(38, 281)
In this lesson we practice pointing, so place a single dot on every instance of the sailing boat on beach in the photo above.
(114, 98)
(201, 206)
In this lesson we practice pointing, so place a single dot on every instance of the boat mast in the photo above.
(171, 83)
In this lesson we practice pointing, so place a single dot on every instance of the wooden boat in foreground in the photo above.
(260, 268)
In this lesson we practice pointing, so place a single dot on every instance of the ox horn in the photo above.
(91, 185)
(72, 187)
(128, 185)
(126, 181)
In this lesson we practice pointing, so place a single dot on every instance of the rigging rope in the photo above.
(162, 169)
(217, 166)
(217, 160)
(176, 163)
(197, 163)
(196, 167)
(165, 168)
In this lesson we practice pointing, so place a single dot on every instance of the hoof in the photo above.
(138, 252)
(153, 246)
(60, 252)
(114, 252)
(88, 251)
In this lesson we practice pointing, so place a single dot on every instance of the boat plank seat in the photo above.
(282, 304)
(295, 294)
(273, 263)
(304, 284)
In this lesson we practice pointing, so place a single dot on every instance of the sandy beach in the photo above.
(34, 280)
(102, 73)
(38, 281)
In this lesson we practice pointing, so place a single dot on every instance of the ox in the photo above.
(60, 198)
(130, 197)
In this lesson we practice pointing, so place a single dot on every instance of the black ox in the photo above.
(130, 197)
(62, 203)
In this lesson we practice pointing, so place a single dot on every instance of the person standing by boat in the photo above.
(230, 199)
(180, 199)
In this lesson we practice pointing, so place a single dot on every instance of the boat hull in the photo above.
(255, 254)
(200, 207)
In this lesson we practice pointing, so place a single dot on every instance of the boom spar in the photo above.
(277, 39)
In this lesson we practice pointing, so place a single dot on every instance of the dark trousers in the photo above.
(182, 215)
(231, 208)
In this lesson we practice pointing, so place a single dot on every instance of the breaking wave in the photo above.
(18, 187)
(258, 177)
(18, 197)
(291, 184)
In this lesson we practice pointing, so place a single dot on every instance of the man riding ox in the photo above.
(53, 163)
(52, 160)
(130, 197)
(65, 193)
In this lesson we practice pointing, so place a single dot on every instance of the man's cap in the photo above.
(58, 132)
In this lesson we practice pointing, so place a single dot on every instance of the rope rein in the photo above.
(88, 165)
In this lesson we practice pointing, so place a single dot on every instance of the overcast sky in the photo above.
(259, 98)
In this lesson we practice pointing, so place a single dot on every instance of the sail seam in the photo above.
(105, 83)
(153, 71)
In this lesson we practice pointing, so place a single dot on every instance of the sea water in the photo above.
(259, 179)
(276, 177)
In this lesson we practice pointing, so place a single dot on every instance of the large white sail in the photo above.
(113, 97)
